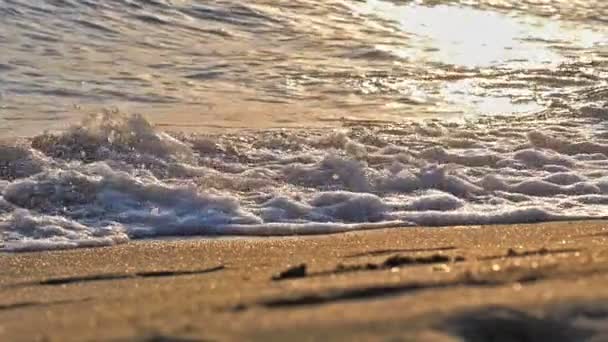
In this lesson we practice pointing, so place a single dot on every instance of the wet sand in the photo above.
(520, 282)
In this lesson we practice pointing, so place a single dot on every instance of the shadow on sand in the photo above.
(566, 322)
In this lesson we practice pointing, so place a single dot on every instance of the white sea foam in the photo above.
(116, 178)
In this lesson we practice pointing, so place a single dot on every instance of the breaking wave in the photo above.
(115, 178)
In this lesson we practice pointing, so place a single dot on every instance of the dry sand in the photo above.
(543, 282)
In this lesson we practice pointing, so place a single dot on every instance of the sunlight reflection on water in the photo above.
(471, 37)
(456, 36)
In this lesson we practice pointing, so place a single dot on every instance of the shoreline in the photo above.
(415, 283)
(253, 236)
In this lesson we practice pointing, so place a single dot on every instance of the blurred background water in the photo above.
(205, 65)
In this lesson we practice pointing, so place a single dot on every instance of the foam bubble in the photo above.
(518, 215)
(23, 230)
(438, 202)
(116, 178)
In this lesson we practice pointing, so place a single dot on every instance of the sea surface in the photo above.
(130, 119)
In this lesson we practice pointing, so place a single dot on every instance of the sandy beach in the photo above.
(475, 283)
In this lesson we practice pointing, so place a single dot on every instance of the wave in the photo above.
(115, 177)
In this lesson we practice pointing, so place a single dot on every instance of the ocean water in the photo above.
(130, 119)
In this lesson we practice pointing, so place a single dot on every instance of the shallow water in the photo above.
(296, 117)
(199, 64)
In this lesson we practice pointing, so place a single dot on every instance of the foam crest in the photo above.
(24, 231)
(18, 160)
(113, 136)
(567, 147)
(115, 178)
